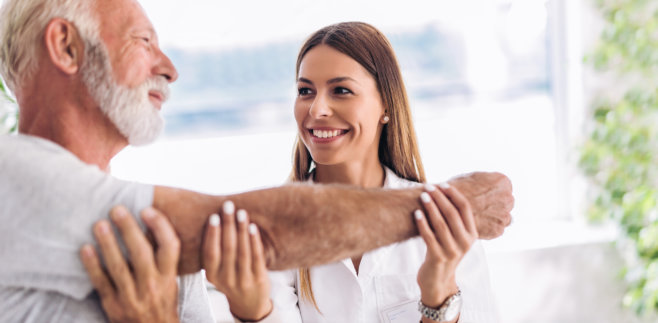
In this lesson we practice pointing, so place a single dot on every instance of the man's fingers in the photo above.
(211, 255)
(97, 275)
(490, 195)
(116, 264)
(140, 250)
(244, 245)
(258, 257)
(168, 244)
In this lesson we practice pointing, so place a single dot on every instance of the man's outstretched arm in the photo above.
(304, 225)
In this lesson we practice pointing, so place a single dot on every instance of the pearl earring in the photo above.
(386, 119)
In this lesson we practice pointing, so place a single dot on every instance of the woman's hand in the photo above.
(145, 290)
(238, 270)
(450, 236)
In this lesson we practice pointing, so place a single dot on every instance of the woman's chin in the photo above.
(325, 159)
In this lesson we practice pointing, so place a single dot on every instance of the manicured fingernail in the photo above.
(444, 185)
(228, 207)
(214, 220)
(253, 229)
(430, 187)
(425, 197)
(242, 215)
(418, 214)
(148, 213)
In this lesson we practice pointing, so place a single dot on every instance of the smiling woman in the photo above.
(333, 110)
(463, 77)
(478, 77)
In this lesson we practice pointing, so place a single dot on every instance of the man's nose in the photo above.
(165, 67)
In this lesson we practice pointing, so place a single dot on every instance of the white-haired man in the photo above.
(90, 78)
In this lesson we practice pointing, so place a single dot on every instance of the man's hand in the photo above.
(146, 290)
(490, 195)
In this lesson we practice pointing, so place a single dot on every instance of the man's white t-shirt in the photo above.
(49, 201)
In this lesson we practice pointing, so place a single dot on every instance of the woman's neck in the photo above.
(363, 174)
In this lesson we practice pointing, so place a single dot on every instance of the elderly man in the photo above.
(90, 79)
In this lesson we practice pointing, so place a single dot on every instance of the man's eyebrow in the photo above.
(146, 29)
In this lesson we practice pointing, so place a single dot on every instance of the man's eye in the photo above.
(302, 91)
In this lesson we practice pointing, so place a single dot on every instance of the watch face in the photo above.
(453, 309)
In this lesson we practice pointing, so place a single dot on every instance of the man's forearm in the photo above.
(304, 225)
(301, 225)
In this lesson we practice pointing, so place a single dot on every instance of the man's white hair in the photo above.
(22, 27)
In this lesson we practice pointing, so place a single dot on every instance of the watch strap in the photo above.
(438, 314)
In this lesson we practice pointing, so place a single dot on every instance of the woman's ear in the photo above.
(63, 45)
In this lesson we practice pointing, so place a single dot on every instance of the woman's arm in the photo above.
(448, 231)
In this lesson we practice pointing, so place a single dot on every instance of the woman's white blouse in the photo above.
(385, 290)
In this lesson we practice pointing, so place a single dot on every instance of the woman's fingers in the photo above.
(427, 234)
(450, 213)
(229, 242)
(211, 241)
(168, 244)
(258, 256)
(464, 207)
(244, 246)
(97, 275)
(439, 225)
(116, 265)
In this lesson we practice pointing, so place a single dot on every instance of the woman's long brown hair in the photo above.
(398, 148)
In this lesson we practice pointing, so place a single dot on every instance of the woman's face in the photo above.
(338, 108)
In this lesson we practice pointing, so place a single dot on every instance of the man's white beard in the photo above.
(130, 110)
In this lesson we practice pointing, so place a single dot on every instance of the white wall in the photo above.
(576, 283)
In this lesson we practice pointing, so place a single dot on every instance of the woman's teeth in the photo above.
(326, 133)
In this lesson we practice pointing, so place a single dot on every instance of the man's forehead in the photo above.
(123, 14)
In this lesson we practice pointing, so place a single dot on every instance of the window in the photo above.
(481, 84)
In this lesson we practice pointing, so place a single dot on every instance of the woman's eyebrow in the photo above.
(331, 81)
(341, 79)
(305, 80)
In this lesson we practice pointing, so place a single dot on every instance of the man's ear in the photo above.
(64, 46)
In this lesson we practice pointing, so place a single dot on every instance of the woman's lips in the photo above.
(326, 134)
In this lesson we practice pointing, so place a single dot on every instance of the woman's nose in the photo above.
(319, 107)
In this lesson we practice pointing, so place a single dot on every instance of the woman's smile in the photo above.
(326, 135)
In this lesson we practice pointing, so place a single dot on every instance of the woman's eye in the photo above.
(341, 90)
(302, 91)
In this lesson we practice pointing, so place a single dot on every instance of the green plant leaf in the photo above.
(620, 156)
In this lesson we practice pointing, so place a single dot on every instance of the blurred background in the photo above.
(560, 95)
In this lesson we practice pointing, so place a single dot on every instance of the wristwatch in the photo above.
(447, 312)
